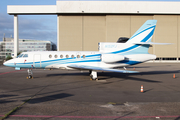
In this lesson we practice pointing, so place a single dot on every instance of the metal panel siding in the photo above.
(178, 35)
(94, 31)
(70, 33)
(84, 32)
(166, 32)
(117, 26)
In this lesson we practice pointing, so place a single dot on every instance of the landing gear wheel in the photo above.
(93, 75)
(29, 74)
(30, 77)
(94, 79)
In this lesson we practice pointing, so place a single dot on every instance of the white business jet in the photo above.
(109, 57)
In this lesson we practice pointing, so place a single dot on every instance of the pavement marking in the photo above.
(12, 71)
(48, 116)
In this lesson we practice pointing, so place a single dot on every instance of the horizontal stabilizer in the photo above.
(152, 43)
(100, 69)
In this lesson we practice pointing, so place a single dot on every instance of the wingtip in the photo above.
(130, 72)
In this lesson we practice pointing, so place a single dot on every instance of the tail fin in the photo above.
(145, 32)
(143, 35)
(138, 44)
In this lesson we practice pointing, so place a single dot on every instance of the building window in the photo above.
(50, 56)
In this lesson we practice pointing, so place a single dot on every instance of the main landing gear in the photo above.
(30, 73)
(93, 75)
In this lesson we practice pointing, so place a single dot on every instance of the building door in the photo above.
(37, 61)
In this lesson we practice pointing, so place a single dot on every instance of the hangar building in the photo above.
(83, 24)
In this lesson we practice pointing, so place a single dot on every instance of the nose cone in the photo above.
(9, 63)
(5, 63)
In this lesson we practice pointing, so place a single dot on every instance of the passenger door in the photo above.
(37, 61)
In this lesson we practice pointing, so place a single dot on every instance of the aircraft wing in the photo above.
(100, 68)
(152, 43)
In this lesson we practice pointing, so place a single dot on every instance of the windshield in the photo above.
(25, 55)
(19, 56)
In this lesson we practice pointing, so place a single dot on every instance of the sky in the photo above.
(37, 27)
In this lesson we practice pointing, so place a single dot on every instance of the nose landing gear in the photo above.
(30, 73)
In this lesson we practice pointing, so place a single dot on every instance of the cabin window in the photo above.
(55, 56)
(50, 56)
(26, 55)
(78, 56)
(61, 56)
(84, 56)
(67, 56)
(72, 56)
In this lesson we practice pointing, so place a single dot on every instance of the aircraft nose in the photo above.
(8, 63)
(5, 63)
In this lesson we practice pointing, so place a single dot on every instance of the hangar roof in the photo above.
(98, 7)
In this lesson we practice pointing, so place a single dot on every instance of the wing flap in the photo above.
(100, 68)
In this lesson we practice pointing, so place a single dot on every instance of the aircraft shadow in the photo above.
(49, 98)
(6, 101)
(125, 76)
(102, 76)
(178, 118)
(116, 74)
(141, 73)
(131, 78)
(4, 96)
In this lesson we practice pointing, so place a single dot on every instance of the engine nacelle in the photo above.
(111, 58)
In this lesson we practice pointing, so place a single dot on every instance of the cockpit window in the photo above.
(19, 56)
(25, 55)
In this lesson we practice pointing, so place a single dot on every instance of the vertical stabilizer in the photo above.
(143, 35)
(145, 32)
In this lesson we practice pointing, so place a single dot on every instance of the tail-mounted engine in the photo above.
(111, 58)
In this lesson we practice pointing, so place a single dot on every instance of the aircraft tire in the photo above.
(30, 77)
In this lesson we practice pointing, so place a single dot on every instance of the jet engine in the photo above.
(111, 58)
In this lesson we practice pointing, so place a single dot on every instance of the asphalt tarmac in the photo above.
(62, 94)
